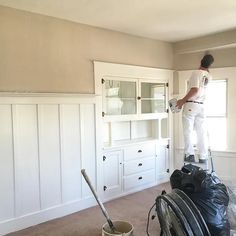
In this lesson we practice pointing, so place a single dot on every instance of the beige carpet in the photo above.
(132, 208)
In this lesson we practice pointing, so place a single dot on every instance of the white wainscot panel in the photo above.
(87, 121)
(225, 166)
(49, 150)
(70, 152)
(26, 159)
(44, 143)
(6, 164)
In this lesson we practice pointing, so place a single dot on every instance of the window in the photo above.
(216, 101)
(216, 108)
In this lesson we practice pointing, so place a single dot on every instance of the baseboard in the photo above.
(163, 179)
(35, 218)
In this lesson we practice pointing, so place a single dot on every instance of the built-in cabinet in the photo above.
(131, 167)
(139, 165)
(135, 137)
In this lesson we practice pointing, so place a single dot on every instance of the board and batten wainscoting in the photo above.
(45, 140)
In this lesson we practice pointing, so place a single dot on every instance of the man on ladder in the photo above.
(193, 115)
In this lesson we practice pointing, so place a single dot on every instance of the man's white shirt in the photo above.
(199, 79)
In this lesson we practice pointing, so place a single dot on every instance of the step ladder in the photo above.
(208, 166)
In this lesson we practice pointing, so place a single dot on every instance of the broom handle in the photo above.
(97, 199)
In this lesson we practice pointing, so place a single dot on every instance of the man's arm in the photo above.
(192, 92)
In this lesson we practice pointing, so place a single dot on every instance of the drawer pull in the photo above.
(139, 150)
(140, 164)
(140, 178)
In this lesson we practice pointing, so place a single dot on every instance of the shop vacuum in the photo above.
(196, 206)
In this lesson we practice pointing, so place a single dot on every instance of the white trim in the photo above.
(99, 144)
(45, 98)
(14, 146)
(61, 149)
(103, 69)
(42, 94)
(211, 69)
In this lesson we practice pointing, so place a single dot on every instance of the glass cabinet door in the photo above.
(153, 97)
(119, 97)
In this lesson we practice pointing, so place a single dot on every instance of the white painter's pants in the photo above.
(194, 118)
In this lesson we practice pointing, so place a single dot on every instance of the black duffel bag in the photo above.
(209, 195)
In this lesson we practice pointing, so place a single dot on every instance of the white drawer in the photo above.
(139, 151)
(139, 179)
(141, 165)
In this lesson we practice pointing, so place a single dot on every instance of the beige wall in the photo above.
(45, 54)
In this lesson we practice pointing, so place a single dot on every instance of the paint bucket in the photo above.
(121, 228)
(125, 229)
(173, 107)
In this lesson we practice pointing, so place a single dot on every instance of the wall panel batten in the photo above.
(7, 164)
(39, 171)
(60, 149)
(87, 121)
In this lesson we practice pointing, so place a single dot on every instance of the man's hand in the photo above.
(192, 92)
(180, 103)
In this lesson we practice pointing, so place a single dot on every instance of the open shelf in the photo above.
(127, 142)
(120, 133)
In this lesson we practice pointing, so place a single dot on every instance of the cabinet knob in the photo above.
(140, 164)
(139, 150)
(140, 177)
(138, 98)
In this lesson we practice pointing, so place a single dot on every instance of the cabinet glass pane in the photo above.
(153, 97)
(120, 97)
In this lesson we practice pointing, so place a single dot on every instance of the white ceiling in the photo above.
(168, 20)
